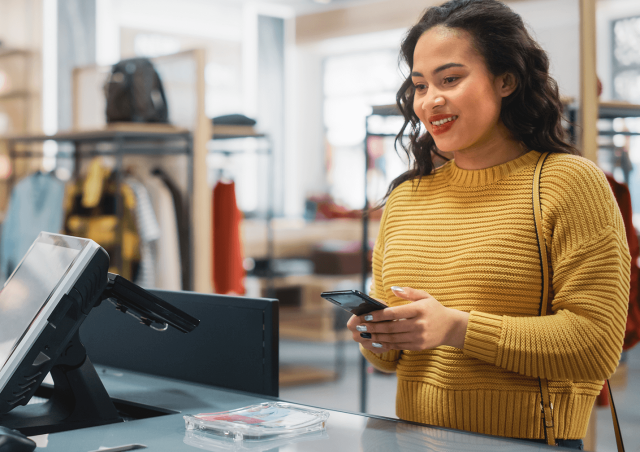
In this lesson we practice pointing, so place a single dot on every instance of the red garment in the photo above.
(632, 332)
(228, 272)
(623, 197)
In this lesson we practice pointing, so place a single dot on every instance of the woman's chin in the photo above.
(448, 146)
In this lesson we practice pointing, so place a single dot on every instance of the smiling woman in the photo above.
(458, 256)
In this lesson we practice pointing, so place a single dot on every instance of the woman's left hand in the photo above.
(421, 325)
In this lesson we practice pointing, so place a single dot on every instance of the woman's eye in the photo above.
(450, 79)
(420, 87)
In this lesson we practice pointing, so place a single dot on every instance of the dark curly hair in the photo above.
(532, 113)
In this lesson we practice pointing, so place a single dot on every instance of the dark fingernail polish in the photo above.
(365, 335)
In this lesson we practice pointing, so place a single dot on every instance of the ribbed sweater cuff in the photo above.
(483, 335)
(378, 360)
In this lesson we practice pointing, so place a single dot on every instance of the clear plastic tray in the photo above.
(205, 441)
(258, 422)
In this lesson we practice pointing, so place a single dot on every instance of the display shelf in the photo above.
(127, 131)
(610, 133)
(607, 110)
(295, 375)
(14, 95)
(316, 325)
(385, 110)
(612, 110)
(227, 131)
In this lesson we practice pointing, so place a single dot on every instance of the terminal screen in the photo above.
(31, 286)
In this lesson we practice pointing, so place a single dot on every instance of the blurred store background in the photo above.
(280, 128)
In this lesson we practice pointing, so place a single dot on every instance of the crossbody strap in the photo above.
(547, 406)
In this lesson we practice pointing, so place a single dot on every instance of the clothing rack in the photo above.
(609, 111)
(154, 141)
(267, 150)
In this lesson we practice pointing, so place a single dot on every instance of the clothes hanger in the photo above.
(224, 176)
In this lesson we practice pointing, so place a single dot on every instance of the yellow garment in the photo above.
(467, 237)
(93, 184)
(90, 213)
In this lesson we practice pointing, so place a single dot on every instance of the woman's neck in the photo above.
(494, 150)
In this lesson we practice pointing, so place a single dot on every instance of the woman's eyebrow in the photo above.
(444, 67)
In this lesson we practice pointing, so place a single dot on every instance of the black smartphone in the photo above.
(353, 301)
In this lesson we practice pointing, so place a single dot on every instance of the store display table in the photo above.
(345, 431)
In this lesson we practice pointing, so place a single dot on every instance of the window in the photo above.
(621, 154)
(353, 83)
(626, 59)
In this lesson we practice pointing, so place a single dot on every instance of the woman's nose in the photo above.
(433, 101)
(438, 102)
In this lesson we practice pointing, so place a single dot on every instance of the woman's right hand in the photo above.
(357, 335)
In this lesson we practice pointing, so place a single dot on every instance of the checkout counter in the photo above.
(228, 362)
(346, 432)
(121, 386)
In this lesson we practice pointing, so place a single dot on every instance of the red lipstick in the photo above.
(440, 129)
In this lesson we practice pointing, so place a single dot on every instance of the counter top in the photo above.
(345, 431)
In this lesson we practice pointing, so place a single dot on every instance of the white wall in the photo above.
(555, 25)
(21, 28)
(202, 18)
(21, 23)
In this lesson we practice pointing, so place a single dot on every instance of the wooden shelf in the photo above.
(610, 110)
(316, 325)
(15, 95)
(125, 129)
(292, 375)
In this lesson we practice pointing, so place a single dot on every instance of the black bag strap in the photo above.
(547, 406)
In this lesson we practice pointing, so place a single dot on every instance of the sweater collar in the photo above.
(487, 176)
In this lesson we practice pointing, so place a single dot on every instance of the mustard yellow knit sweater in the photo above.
(467, 237)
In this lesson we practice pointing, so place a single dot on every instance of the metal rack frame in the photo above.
(381, 110)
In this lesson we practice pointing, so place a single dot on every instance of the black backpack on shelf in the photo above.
(134, 93)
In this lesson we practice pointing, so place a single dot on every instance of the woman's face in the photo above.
(456, 97)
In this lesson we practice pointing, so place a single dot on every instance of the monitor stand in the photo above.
(79, 399)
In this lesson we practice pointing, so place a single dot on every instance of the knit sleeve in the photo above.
(582, 338)
(387, 361)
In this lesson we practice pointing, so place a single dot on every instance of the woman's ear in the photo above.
(506, 84)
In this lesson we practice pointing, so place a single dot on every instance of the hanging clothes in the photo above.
(168, 271)
(228, 272)
(35, 205)
(90, 207)
(149, 233)
(623, 197)
(183, 215)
